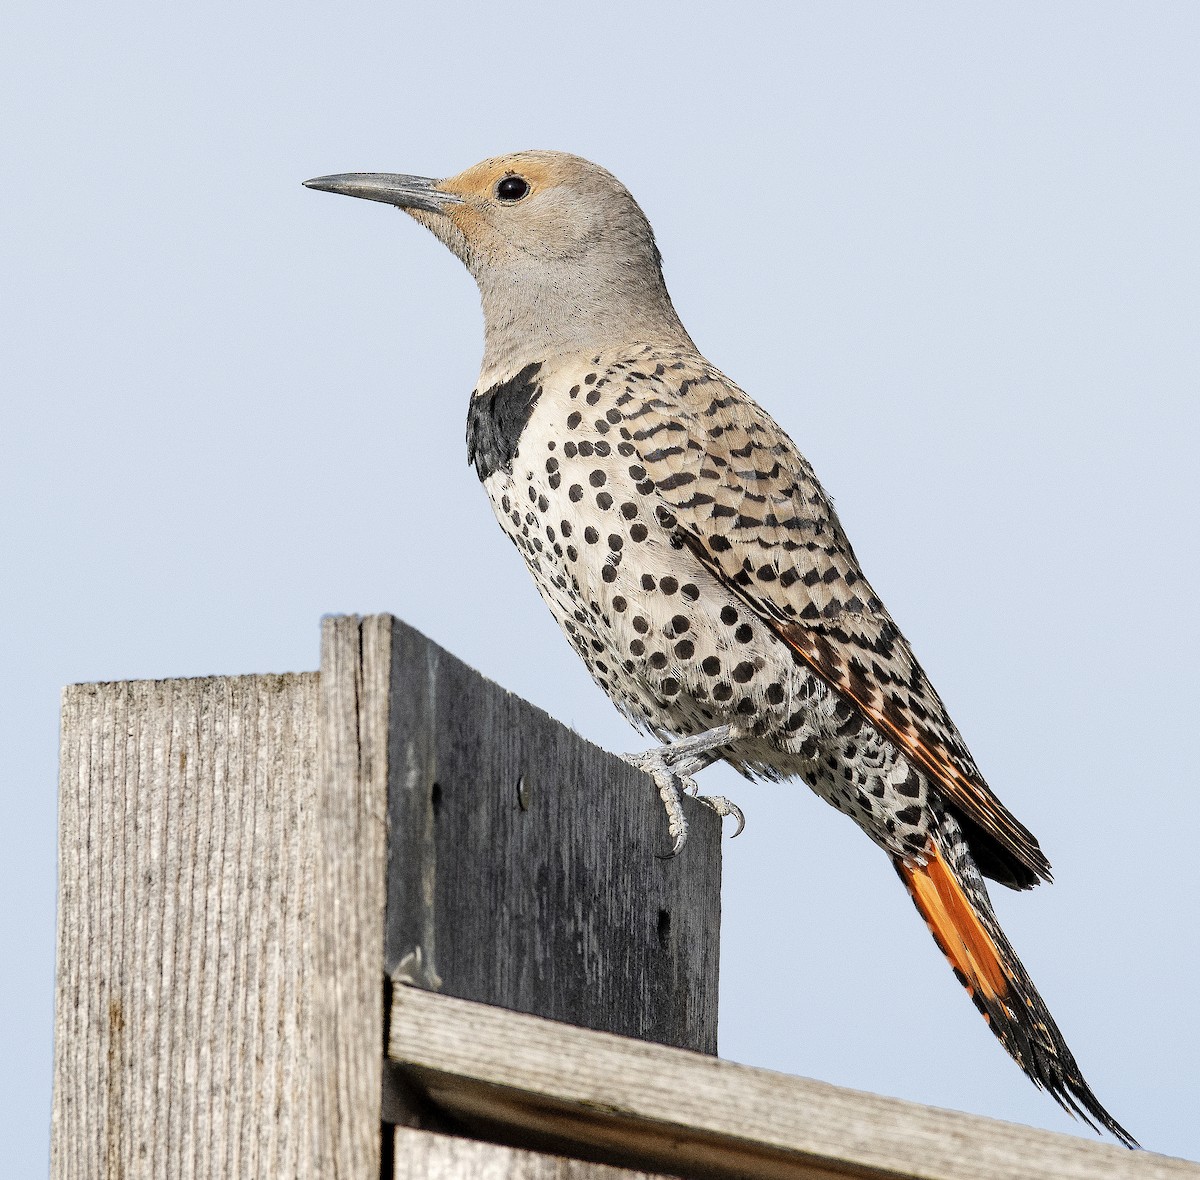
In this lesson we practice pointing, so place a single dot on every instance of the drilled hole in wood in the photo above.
(664, 927)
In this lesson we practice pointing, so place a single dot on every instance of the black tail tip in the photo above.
(1077, 1099)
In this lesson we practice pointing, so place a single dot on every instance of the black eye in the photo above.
(512, 188)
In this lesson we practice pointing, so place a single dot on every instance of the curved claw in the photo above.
(666, 766)
(676, 847)
(724, 807)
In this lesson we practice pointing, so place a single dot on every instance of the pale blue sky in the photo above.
(952, 248)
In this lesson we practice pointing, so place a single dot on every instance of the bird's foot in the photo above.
(671, 787)
(671, 766)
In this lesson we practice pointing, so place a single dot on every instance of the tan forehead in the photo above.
(479, 179)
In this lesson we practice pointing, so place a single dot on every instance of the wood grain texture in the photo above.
(185, 944)
(222, 868)
(421, 1155)
(351, 891)
(541, 1084)
(524, 868)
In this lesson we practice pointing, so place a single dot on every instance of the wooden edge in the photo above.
(534, 1082)
(425, 1155)
(350, 892)
(499, 1115)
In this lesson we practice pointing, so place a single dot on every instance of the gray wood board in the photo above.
(219, 1006)
(524, 869)
(547, 1086)
(421, 1155)
(351, 894)
(184, 980)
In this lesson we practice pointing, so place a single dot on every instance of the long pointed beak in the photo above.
(408, 192)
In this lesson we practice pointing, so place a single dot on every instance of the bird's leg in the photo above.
(672, 765)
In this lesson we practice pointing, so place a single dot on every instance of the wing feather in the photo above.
(746, 502)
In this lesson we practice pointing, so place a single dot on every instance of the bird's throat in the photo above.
(571, 311)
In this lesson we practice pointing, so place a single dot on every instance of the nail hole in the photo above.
(435, 798)
(664, 927)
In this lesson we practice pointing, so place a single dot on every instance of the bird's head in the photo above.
(562, 253)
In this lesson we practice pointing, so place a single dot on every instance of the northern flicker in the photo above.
(697, 566)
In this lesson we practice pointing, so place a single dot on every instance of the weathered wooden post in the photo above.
(522, 865)
(248, 865)
(312, 925)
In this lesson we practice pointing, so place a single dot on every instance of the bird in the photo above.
(696, 564)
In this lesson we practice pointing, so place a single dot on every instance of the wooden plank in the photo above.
(351, 893)
(523, 868)
(222, 866)
(421, 1155)
(182, 1011)
(540, 1084)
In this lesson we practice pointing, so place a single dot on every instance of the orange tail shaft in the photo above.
(959, 915)
(957, 929)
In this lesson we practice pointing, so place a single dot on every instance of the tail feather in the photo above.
(950, 895)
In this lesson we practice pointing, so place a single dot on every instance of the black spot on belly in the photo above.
(496, 419)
